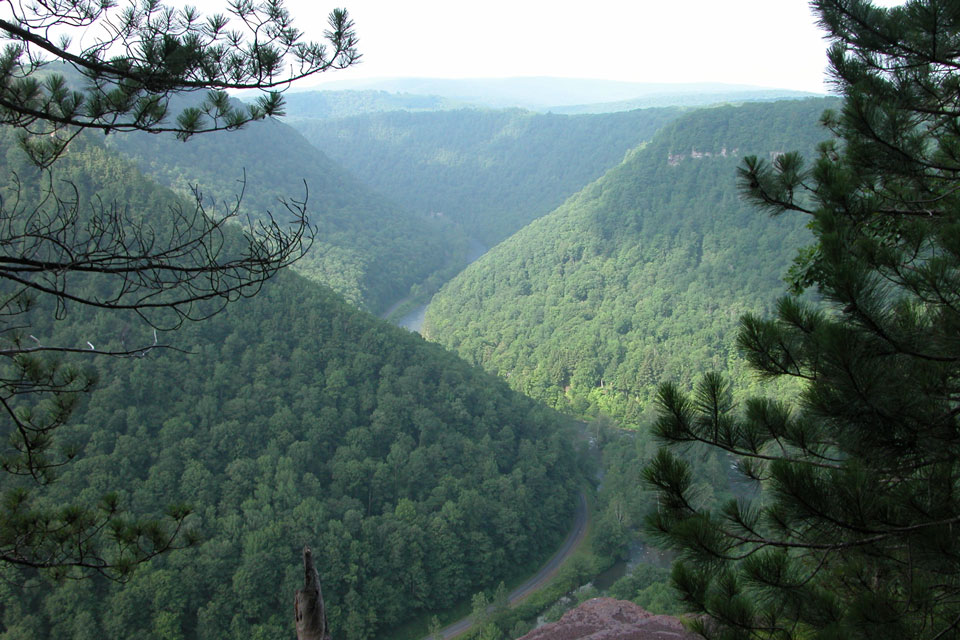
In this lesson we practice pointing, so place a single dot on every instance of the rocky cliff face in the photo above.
(609, 619)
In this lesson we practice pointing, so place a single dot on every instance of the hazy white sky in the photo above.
(772, 43)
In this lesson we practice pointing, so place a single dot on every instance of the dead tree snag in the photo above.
(308, 604)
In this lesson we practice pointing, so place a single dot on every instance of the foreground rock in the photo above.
(609, 619)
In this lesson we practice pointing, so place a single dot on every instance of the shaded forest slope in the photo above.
(639, 278)
(544, 94)
(491, 172)
(369, 249)
(295, 418)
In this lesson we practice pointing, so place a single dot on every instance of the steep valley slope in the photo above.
(368, 248)
(290, 418)
(490, 172)
(639, 278)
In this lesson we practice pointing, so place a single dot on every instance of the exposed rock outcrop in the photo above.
(609, 619)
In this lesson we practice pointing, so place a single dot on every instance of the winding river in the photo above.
(414, 320)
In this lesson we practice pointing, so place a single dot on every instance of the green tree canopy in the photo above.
(89, 232)
(853, 533)
(133, 59)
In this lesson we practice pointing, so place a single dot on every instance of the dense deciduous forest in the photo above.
(297, 419)
(294, 419)
(369, 249)
(210, 456)
(489, 171)
(640, 277)
(160, 476)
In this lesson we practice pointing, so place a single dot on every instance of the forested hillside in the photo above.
(639, 278)
(491, 172)
(685, 99)
(369, 249)
(343, 104)
(556, 94)
(294, 419)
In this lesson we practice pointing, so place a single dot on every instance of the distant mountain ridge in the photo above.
(342, 104)
(490, 172)
(552, 94)
(368, 248)
(668, 99)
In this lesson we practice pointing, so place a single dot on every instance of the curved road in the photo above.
(572, 543)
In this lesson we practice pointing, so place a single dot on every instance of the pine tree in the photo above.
(70, 67)
(855, 529)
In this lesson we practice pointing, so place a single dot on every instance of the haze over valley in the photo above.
(471, 350)
(606, 233)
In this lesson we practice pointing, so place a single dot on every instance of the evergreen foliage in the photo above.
(623, 500)
(854, 532)
(367, 248)
(64, 244)
(69, 244)
(648, 586)
(638, 278)
(134, 59)
(491, 172)
(293, 419)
